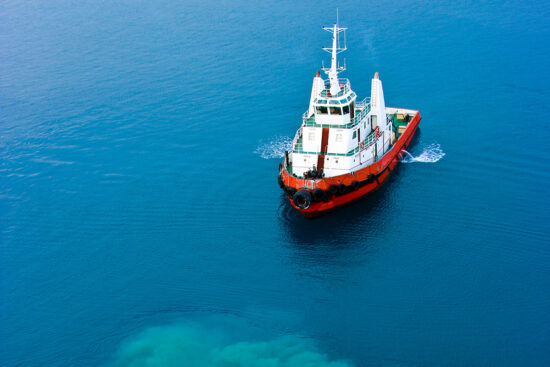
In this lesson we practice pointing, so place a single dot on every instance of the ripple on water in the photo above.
(274, 148)
(431, 154)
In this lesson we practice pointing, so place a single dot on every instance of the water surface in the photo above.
(139, 205)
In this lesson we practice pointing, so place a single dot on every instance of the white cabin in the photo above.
(340, 135)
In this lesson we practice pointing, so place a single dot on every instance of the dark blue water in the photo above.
(141, 223)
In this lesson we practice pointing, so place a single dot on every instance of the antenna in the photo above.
(336, 45)
(336, 48)
(338, 35)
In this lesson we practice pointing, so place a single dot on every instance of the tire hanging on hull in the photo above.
(302, 199)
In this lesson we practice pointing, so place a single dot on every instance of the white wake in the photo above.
(431, 154)
(274, 148)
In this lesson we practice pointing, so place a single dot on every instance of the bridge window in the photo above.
(346, 110)
(322, 110)
(335, 111)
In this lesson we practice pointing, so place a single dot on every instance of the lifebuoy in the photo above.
(377, 131)
(302, 199)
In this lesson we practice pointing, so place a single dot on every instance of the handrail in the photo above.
(362, 108)
(345, 86)
(297, 136)
(367, 142)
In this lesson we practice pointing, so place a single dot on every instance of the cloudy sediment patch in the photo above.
(196, 346)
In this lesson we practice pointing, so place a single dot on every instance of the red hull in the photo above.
(375, 175)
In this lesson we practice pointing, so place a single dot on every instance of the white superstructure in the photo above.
(339, 134)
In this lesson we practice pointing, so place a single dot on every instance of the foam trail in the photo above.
(194, 346)
(431, 154)
(275, 148)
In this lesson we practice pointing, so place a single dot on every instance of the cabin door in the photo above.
(322, 154)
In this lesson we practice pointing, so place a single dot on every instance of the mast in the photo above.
(334, 69)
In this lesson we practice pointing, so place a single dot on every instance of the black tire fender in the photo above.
(302, 199)
(342, 189)
(318, 195)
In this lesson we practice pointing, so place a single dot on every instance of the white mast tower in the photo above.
(334, 69)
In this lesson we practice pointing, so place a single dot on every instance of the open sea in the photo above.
(141, 223)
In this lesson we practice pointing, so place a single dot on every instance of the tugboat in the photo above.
(345, 148)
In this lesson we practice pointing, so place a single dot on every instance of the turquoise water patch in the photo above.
(189, 344)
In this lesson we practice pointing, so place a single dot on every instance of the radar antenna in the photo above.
(336, 48)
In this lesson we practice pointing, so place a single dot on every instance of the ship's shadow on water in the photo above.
(347, 226)
(338, 228)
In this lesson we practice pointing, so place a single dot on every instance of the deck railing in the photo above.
(297, 143)
(345, 87)
(369, 140)
(362, 108)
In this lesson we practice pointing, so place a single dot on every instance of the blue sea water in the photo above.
(141, 223)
